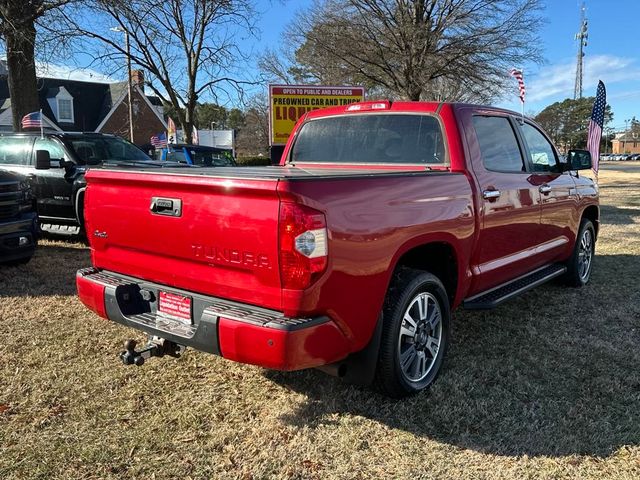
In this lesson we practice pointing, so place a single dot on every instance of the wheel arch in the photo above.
(437, 257)
(592, 212)
(79, 206)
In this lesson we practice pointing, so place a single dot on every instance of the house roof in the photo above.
(121, 98)
(92, 101)
(628, 137)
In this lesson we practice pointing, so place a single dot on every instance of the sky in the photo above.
(612, 54)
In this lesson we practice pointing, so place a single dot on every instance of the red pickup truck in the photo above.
(351, 254)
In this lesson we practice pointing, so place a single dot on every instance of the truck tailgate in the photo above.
(214, 236)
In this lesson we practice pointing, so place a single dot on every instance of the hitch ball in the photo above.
(155, 348)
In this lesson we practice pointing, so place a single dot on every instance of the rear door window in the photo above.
(498, 144)
(15, 150)
(371, 138)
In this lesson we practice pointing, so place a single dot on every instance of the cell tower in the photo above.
(581, 38)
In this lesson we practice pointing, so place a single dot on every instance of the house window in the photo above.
(65, 110)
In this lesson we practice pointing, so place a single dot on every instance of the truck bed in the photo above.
(279, 172)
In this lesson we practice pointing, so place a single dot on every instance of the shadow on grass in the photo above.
(553, 373)
(612, 215)
(51, 271)
(632, 167)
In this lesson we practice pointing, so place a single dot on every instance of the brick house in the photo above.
(628, 142)
(80, 106)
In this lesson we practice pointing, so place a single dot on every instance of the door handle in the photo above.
(491, 194)
(545, 189)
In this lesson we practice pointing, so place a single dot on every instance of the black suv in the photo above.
(54, 166)
(18, 220)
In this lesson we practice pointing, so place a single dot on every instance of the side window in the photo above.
(15, 151)
(56, 152)
(498, 144)
(543, 158)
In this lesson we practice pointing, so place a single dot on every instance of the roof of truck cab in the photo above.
(403, 107)
(57, 134)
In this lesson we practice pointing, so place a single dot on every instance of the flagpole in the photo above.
(522, 70)
(41, 125)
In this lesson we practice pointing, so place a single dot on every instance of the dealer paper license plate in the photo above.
(175, 306)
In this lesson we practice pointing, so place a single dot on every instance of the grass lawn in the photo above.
(547, 386)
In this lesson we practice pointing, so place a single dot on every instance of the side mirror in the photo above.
(43, 160)
(579, 160)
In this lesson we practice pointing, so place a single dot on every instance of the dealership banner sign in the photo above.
(287, 103)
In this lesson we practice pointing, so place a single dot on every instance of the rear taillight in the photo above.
(303, 245)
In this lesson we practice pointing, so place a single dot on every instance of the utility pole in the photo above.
(581, 37)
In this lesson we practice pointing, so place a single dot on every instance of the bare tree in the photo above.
(18, 22)
(417, 49)
(253, 135)
(188, 48)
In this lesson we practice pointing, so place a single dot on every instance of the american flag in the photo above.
(517, 74)
(595, 126)
(32, 120)
(159, 140)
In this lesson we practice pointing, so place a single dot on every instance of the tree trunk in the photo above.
(187, 132)
(187, 125)
(23, 88)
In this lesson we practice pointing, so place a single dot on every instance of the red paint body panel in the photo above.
(225, 241)
(408, 211)
(279, 349)
(92, 295)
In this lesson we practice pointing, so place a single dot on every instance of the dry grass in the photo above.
(547, 386)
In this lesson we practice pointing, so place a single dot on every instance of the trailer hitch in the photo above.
(156, 347)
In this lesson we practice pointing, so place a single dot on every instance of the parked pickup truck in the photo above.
(351, 254)
(57, 181)
(18, 220)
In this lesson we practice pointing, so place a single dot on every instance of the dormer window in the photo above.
(61, 103)
(65, 110)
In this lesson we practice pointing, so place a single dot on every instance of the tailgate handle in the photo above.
(171, 207)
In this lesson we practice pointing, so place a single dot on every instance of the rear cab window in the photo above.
(177, 156)
(370, 138)
(210, 158)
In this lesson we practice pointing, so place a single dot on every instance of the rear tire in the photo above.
(415, 333)
(579, 265)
